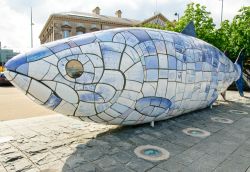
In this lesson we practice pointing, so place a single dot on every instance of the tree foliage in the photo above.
(230, 36)
(240, 32)
(203, 23)
(222, 36)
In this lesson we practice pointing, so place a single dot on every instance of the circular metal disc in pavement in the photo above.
(196, 132)
(151, 153)
(222, 120)
(238, 112)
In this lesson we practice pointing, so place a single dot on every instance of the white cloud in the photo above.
(15, 14)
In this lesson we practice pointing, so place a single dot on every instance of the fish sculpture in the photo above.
(124, 76)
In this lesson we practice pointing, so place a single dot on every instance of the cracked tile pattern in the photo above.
(124, 76)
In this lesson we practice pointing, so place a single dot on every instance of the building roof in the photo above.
(103, 18)
(93, 17)
(157, 15)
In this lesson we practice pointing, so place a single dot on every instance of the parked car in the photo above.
(3, 80)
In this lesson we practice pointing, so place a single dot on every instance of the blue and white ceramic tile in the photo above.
(128, 75)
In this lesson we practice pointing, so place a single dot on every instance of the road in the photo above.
(15, 105)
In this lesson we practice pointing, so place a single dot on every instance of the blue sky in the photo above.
(15, 14)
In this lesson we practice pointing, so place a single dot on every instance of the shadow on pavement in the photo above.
(114, 150)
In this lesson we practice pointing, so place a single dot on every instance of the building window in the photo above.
(93, 26)
(66, 28)
(66, 23)
(66, 34)
(79, 33)
(106, 27)
(80, 30)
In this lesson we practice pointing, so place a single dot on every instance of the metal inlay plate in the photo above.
(222, 120)
(238, 112)
(151, 153)
(196, 132)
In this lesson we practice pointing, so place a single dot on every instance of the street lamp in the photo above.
(31, 28)
(177, 14)
(1, 64)
(221, 17)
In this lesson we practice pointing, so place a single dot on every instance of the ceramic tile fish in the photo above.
(124, 76)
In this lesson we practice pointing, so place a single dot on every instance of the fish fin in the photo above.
(153, 106)
(189, 29)
(240, 81)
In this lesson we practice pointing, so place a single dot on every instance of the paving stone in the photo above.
(122, 157)
(135, 140)
(33, 170)
(113, 151)
(92, 154)
(139, 165)
(183, 140)
(52, 166)
(33, 148)
(243, 151)
(117, 168)
(19, 165)
(98, 144)
(56, 144)
(8, 150)
(171, 165)
(123, 145)
(62, 152)
(206, 163)
(4, 146)
(73, 161)
(106, 162)
(85, 168)
(11, 157)
(237, 163)
(2, 169)
(27, 133)
(156, 169)
(43, 158)
(189, 156)
(172, 148)
(111, 138)
(147, 137)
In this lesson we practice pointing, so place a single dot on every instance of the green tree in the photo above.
(204, 26)
(234, 36)
(223, 36)
(230, 37)
(240, 35)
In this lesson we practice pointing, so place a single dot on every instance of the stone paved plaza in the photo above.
(57, 143)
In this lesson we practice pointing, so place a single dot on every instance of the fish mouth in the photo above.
(34, 89)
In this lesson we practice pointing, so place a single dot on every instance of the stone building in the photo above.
(66, 24)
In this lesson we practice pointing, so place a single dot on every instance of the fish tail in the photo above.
(239, 63)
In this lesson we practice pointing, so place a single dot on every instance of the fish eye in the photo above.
(74, 68)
